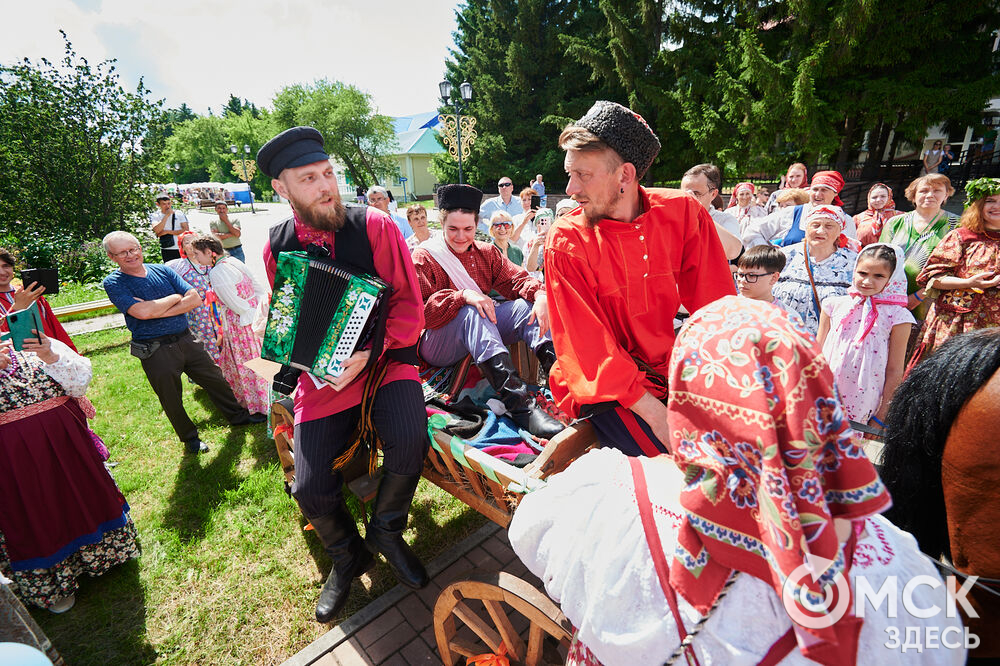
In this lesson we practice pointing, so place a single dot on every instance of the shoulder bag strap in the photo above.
(659, 558)
(812, 283)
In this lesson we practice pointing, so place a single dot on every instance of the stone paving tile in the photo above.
(350, 653)
(499, 550)
(379, 627)
(482, 560)
(380, 650)
(418, 653)
(457, 571)
(416, 613)
(326, 660)
(396, 660)
(429, 594)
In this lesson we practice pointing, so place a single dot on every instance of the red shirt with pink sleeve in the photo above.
(403, 326)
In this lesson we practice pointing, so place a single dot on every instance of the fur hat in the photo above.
(451, 197)
(625, 131)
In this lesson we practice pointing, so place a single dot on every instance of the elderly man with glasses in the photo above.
(154, 300)
(505, 201)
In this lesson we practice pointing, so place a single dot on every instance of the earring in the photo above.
(623, 190)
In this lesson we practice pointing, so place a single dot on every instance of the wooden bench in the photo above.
(80, 308)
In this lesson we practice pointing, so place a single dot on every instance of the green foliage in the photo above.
(354, 133)
(761, 85)
(201, 146)
(525, 87)
(76, 150)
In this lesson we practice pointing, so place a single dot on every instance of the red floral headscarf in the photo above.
(769, 460)
(740, 186)
(180, 242)
(831, 179)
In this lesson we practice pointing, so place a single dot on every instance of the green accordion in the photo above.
(321, 313)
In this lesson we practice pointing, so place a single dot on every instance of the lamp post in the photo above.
(247, 174)
(452, 126)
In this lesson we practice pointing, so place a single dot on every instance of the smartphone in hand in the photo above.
(536, 201)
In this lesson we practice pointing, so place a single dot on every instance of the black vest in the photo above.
(351, 246)
(352, 249)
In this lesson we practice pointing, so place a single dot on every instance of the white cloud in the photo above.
(200, 51)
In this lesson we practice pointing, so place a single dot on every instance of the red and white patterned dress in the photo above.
(239, 296)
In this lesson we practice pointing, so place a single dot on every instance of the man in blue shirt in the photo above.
(154, 300)
(503, 201)
(539, 187)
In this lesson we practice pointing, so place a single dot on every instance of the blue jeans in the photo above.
(470, 333)
(237, 252)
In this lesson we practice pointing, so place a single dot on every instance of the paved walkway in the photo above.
(398, 628)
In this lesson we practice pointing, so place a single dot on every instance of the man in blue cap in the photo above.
(326, 414)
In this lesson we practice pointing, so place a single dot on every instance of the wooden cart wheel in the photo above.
(502, 594)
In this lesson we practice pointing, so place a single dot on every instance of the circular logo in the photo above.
(793, 600)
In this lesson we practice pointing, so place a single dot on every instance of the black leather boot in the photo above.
(499, 372)
(546, 354)
(385, 531)
(339, 535)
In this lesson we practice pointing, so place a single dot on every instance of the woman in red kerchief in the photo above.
(686, 556)
(744, 201)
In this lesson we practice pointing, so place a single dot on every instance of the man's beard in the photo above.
(322, 218)
(594, 219)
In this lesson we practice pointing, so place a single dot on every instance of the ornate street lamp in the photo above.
(454, 126)
(249, 169)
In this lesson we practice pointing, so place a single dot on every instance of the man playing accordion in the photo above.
(327, 413)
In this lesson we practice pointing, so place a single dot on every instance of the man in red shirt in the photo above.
(326, 414)
(617, 269)
(456, 274)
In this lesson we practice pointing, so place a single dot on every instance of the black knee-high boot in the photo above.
(499, 372)
(339, 535)
(385, 531)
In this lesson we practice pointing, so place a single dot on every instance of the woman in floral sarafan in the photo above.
(200, 320)
(62, 514)
(242, 300)
(684, 558)
(962, 275)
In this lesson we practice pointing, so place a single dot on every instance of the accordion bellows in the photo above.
(320, 314)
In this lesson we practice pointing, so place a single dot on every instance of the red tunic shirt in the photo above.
(403, 326)
(488, 267)
(613, 292)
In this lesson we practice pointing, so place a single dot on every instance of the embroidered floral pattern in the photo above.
(785, 474)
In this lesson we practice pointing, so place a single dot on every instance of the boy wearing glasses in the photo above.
(758, 271)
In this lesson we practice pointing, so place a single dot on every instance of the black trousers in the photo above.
(163, 370)
(169, 254)
(401, 421)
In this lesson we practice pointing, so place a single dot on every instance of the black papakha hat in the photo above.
(294, 147)
(451, 197)
(625, 131)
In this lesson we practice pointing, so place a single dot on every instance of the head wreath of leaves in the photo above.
(980, 189)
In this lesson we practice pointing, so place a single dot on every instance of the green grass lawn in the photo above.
(227, 574)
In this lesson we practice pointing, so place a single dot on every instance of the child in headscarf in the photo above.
(864, 334)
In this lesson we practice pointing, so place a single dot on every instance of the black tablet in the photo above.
(46, 277)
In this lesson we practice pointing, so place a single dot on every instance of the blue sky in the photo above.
(200, 51)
